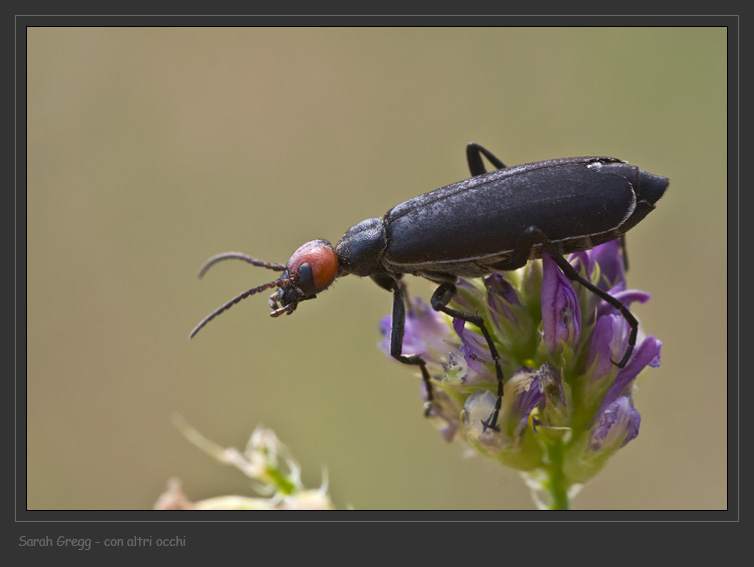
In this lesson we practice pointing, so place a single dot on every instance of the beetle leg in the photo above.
(624, 251)
(440, 299)
(533, 236)
(397, 330)
(474, 157)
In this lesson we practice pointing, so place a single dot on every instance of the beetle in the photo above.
(493, 221)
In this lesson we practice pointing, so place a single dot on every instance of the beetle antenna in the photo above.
(239, 256)
(253, 291)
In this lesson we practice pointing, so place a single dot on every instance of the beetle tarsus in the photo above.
(491, 423)
(427, 408)
(440, 299)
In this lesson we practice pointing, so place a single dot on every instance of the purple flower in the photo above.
(564, 398)
(475, 352)
(609, 257)
(556, 403)
(616, 425)
(608, 343)
(647, 353)
(466, 298)
(625, 296)
(523, 395)
(501, 296)
(526, 399)
(583, 262)
(561, 314)
(425, 332)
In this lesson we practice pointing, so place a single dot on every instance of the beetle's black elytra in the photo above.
(493, 221)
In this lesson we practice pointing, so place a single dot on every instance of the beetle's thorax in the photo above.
(361, 248)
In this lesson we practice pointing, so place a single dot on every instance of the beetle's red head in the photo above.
(311, 269)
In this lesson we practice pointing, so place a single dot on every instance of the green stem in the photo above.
(557, 486)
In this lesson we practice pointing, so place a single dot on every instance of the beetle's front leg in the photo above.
(440, 299)
(397, 331)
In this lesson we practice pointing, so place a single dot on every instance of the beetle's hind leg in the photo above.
(533, 236)
(474, 154)
(440, 299)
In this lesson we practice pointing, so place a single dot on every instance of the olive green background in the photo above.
(149, 150)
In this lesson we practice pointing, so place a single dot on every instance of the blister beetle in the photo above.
(493, 221)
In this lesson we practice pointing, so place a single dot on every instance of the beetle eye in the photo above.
(316, 265)
(306, 279)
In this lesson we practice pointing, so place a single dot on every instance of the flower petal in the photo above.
(647, 352)
(424, 332)
(609, 256)
(625, 296)
(582, 259)
(465, 291)
(561, 313)
(608, 343)
(616, 425)
(476, 353)
(500, 296)
(528, 395)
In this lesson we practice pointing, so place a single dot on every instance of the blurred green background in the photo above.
(149, 150)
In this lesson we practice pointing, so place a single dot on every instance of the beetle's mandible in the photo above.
(493, 221)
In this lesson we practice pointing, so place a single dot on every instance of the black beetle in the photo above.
(492, 221)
